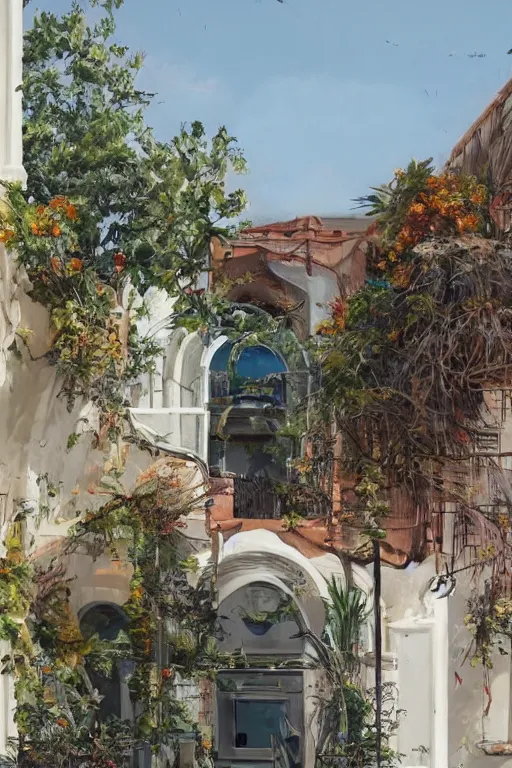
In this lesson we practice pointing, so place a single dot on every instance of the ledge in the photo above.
(495, 748)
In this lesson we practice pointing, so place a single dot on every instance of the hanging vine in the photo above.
(57, 706)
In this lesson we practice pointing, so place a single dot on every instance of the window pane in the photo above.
(257, 721)
(253, 362)
(257, 362)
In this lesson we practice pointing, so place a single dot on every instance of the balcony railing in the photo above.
(264, 499)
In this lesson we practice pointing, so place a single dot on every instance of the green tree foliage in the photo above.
(107, 204)
(86, 138)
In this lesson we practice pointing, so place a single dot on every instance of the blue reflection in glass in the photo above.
(253, 364)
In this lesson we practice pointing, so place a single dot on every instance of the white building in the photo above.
(259, 561)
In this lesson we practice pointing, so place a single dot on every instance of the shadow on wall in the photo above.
(468, 699)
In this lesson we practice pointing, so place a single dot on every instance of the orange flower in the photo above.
(76, 265)
(59, 202)
(40, 210)
(62, 722)
(167, 673)
(417, 208)
(467, 223)
(35, 228)
(4, 571)
(326, 329)
(119, 261)
(382, 265)
(6, 235)
(56, 264)
(56, 230)
(137, 593)
(47, 670)
(71, 212)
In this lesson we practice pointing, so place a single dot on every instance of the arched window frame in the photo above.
(276, 353)
(175, 418)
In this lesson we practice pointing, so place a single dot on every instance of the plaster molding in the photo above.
(11, 75)
(11, 163)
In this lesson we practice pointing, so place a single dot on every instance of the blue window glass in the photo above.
(257, 721)
(253, 362)
(252, 365)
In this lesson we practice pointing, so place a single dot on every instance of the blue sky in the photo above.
(322, 105)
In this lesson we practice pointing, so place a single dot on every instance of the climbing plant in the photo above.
(406, 358)
(108, 208)
(57, 712)
(109, 212)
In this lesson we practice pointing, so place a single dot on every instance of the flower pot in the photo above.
(257, 627)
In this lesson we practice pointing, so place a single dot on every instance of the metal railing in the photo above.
(265, 499)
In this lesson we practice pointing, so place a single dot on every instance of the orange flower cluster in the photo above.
(48, 219)
(7, 235)
(63, 205)
(448, 205)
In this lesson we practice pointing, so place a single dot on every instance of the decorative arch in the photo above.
(171, 383)
(188, 371)
(260, 557)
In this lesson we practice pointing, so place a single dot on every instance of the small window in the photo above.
(258, 372)
(257, 720)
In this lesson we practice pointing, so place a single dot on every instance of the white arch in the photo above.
(261, 556)
(183, 356)
(206, 361)
(171, 383)
(263, 541)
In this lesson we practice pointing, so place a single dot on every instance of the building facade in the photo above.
(213, 427)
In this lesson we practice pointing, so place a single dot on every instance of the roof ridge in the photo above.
(498, 101)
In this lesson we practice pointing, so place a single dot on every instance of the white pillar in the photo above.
(11, 158)
(441, 664)
(11, 169)
(11, 57)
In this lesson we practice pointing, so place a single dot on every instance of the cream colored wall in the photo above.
(466, 725)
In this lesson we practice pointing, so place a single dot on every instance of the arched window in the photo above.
(108, 621)
(256, 372)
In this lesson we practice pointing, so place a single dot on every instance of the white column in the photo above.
(11, 169)
(441, 664)
(11, 56)
(11, 158)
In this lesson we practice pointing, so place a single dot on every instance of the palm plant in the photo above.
(347, 612)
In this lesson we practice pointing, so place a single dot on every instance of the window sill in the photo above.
(496, 748)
